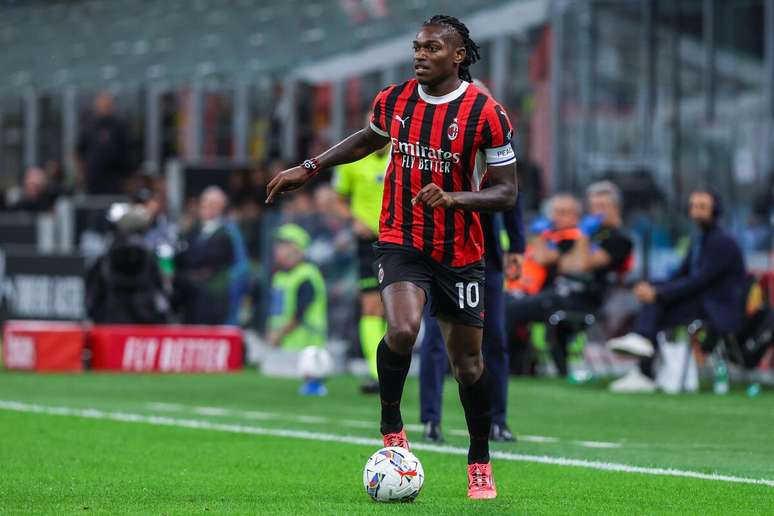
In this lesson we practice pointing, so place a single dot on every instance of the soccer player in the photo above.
(362, 184)
(430, 239)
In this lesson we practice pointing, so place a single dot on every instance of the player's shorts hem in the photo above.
(475, 322)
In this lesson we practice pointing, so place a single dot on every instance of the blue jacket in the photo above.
(719, 284)
(492, 224)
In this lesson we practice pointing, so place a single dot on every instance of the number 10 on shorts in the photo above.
(469, 294)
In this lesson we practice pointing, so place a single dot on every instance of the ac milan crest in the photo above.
(453, 130)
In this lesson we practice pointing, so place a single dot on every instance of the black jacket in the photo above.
(719, 284)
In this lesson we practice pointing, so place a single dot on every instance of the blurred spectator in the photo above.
(211, 271)
(161, 231)
(103, 150)
(238, 188)
(592, 260)
(299, 306)
(35, 194)
(257, 185)
(602, 250)
(552, 236)
(299, 207)
(57, 183)
(125, 285)
(530, 177)
(709, 285)
(333, 249)
(556, 235)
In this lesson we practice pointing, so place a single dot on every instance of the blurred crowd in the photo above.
(230, 259)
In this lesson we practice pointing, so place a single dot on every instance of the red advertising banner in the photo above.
(43, 346)
(166, 349)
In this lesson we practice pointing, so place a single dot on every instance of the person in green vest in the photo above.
(360, 185)
(299, 308)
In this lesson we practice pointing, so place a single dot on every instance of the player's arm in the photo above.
(353, 148)
(500, 195)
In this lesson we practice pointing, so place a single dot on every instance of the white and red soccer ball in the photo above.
(393, 475)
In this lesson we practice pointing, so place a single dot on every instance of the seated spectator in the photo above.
(211, 270)
(125, 285)
(603, 250)
(299, 309)
(710, 285)
(35, 194)
(555, 236)
(582, 271)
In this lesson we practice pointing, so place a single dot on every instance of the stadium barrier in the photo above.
(58, 346)
(43, 346)
(166, 349)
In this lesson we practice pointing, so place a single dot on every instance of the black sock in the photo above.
(477, 402)
(392, 368)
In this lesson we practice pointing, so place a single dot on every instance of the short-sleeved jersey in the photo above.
(363, 183)
(436, 139)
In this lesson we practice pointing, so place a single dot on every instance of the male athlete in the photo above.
(430, 238)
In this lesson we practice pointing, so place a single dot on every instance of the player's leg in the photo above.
(458, 296)
(404, 304)
(495, 350)
(463, 343)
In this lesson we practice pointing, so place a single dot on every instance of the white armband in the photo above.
(500, 155)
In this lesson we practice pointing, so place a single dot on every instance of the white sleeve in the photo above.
(379, 131)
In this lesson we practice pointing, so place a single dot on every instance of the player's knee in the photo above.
(468, 370)
(402, 336)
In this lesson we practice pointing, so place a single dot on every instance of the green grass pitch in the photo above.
(87, 462)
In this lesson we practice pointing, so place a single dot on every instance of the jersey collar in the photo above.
(430, 99)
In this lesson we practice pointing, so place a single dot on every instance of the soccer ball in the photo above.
(315, 362)
(393, 475)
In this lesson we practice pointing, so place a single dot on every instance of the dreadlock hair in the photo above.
(471, 48)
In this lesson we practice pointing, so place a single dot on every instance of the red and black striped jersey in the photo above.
(437, 139)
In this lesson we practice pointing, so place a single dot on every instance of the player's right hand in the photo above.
(286, 181)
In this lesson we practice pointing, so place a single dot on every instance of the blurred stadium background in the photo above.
(659, 97)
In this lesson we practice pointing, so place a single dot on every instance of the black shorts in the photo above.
(455, 294)
(365, 259)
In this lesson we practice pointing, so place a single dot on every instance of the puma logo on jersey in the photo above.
(402, 120)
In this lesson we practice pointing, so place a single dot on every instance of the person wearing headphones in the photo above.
(709, 285)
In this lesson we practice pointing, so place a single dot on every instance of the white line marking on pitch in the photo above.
(351, 423)
(315, 436)
(597, 444)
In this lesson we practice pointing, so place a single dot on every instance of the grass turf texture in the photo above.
(56, 464)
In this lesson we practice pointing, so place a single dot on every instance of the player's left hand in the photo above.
(434, 196)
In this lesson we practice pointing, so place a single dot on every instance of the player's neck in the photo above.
(442, 88)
